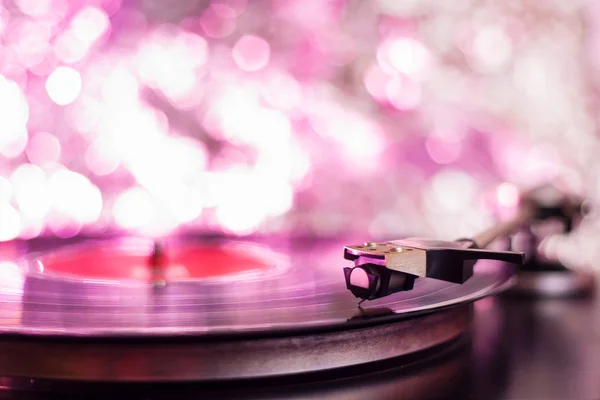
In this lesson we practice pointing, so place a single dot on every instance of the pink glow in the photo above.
(217, 23)
(177, 184)
(240, 219)
(144, 165)
(229, 7)
(245, 199)
(46, 65)
(11, 223)
(63, 226)
(359, 139)
(15, 144)
(120, 86)
(30, 42)
(14, 72)
(403, 94)
(507, 195)
(34, 8)
(376, 81)
(134, 208)
(14, 114)
(43, 148)
(185, 203)
(31, 194)
(490, 50)
(311, 16)
(5, 190)
(383, 57)
(4, 19)
(74, 196)
(251, 53)
(31, 227)
(63, 85)
(89, 24)
(85, 116)
(452, 191)
(170, 61)
(443, 151)
(69, 48)
(233, 114)
(307, 116)
(283, 92)
(408, 56)
(100, 158)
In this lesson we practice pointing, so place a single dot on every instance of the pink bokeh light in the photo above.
(508, 195)
(89, 24)
(251, 53)
(217, 22)
(43, 148)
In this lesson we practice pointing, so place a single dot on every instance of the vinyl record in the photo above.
(220, 310)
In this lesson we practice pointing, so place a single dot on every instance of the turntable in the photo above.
(261, 319)
(253, 319)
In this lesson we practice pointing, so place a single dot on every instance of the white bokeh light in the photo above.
(14, 114)
(31, 191)
(408, 56)
(170, 61)
(403, 94)
(491, 49)
(34, 8)
(134, 209)
(453, 190)
(6, 190)
(507, 195)
(69, 49)
(64, 85)
(10, 226)
(74, 196)
(89, 24)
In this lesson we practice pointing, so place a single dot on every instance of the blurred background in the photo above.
(318, 118)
